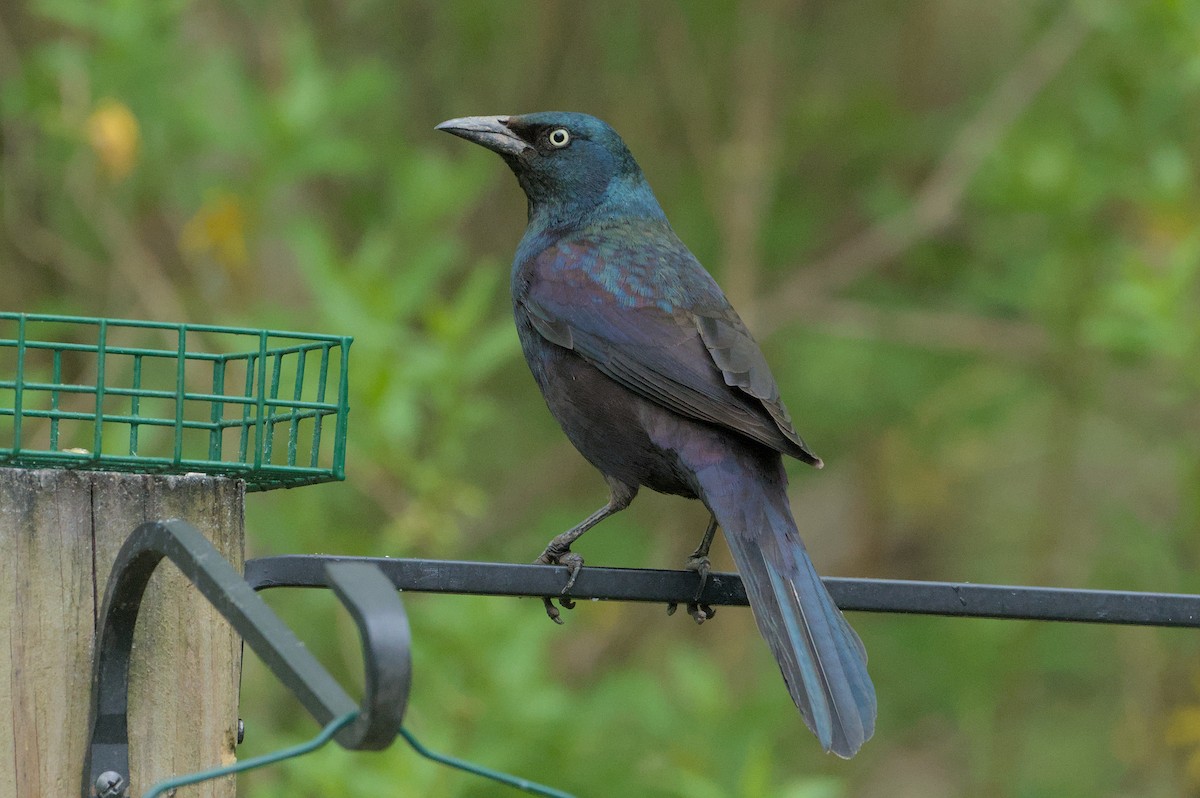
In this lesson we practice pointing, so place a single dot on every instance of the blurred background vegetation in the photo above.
(965, 234)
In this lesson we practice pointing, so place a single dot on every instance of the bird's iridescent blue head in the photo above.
(572, 166)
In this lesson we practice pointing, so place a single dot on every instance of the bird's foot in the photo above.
(566, 557)
(573, 563)
(552, 612)
(699, 612)
(701, 565)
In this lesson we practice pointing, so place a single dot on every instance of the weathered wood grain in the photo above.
(59, 534)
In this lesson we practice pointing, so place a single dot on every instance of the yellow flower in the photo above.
(112, 130)
(1184, 727)
(1183, 732)
(219, 229)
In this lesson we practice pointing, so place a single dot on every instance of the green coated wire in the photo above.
(327, 733)
(479, 770)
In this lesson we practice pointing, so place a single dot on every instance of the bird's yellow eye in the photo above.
(559, 137)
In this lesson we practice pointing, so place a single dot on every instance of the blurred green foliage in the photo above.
(965, 232)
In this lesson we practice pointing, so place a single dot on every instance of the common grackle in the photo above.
(657, 382)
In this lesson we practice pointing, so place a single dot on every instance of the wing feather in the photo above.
(689, 352)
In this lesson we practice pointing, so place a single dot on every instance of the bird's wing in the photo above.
(734, 351)
(653, 320)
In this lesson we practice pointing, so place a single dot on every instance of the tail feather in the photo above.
(822, 658)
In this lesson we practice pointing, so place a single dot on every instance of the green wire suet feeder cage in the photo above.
(264, 406)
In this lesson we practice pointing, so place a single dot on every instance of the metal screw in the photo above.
(110, 784)
(241, 731)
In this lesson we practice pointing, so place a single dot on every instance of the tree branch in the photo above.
(937, 203)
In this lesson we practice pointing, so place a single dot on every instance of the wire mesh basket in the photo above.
(160, 398)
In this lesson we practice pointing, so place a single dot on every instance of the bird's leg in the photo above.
(558, 551)
(699, 562)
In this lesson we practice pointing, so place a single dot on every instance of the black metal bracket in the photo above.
(369, 597)
(367, 587)
(961, 599)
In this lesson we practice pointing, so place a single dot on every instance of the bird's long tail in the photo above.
(822, 658)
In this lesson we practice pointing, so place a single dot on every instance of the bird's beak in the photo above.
(487, 131)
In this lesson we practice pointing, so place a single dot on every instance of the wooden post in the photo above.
(59, 534)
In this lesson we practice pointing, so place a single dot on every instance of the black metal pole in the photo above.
(958, 599)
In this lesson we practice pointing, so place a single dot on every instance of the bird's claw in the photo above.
(699, 612)
(573, 563)
(568, 558)
(552, 611)
(566, 602)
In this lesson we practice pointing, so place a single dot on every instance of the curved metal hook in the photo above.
(369, 596)
(373, 602)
